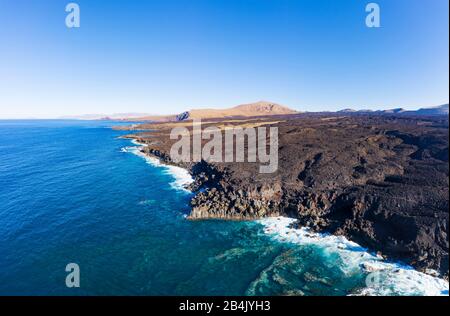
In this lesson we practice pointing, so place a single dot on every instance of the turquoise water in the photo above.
(69, 192)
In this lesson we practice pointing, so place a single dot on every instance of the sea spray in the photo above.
(182, 177)
(383, 277)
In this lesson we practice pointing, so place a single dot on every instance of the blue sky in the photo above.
(166, 56)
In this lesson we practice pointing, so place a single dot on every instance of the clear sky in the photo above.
(166, 56)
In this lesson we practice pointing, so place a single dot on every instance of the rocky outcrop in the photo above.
(381, 181)
(235, 204)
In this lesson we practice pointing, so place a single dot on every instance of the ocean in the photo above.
(74, 192)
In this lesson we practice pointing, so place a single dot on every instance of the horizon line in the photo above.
(106, 116)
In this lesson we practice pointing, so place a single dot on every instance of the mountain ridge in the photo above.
(260, 108)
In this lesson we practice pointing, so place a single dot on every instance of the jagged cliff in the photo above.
(381, 181)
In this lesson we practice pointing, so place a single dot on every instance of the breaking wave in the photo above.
(382, 277)
(182, 177)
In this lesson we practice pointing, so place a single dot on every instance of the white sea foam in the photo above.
(135, 142)
(383, 277)
(181, 176)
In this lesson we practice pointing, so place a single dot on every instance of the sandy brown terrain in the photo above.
(261, 108)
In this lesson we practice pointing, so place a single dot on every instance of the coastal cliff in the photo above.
(380, 181)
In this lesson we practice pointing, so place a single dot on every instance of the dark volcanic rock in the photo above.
(383, 181)
(183, 116)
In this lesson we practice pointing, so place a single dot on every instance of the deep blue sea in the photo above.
(73, 192)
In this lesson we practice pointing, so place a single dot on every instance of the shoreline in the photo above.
(389, 275)
(182, 177)
(432, 277)
(387, 190)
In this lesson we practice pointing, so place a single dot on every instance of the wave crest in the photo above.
(383, 278)
(182, 177)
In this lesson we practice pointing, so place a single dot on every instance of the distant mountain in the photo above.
(394, 111)
(437, 110)
(432, 111)
(116, 116)
(82, 117)
(261, 108)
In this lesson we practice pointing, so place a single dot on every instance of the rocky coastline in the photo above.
(379, 181)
